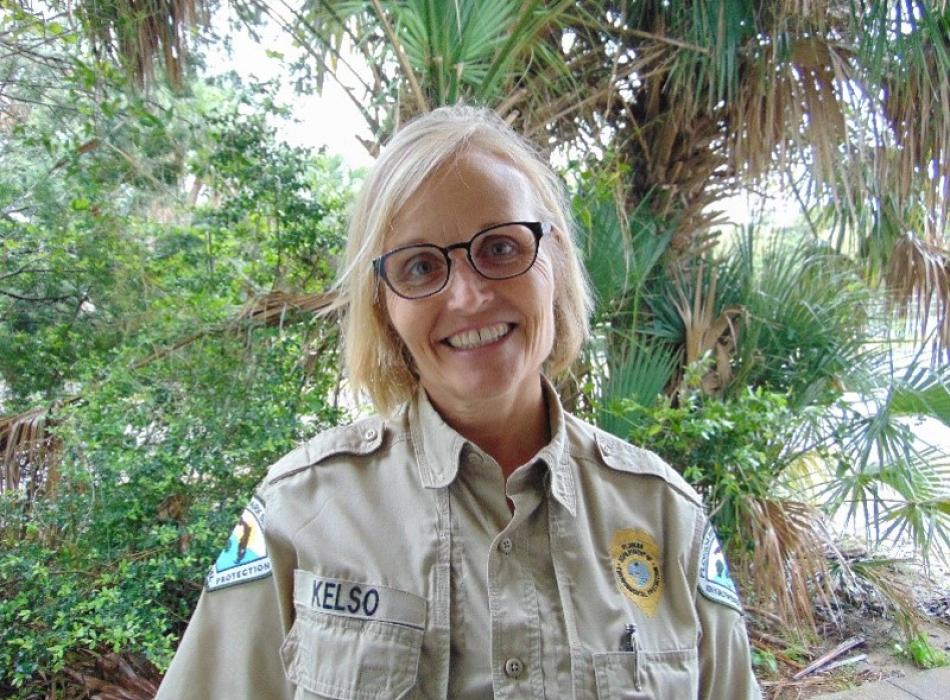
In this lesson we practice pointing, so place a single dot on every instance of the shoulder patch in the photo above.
(361, 438)
(715, 582)
(622, 456)
(244, 558)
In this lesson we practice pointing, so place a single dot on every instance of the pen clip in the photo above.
(628, 638)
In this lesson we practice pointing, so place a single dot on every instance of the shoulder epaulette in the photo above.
(361, 438)
(622, 456)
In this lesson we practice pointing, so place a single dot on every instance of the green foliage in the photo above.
(624, 256)
(134, 232)
(806, 315)
(764, 661)
(922, 653)
(727, 449)
(158, 463)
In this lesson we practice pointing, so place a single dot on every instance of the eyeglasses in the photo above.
(498, 252)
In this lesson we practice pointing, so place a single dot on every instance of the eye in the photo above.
(499, 247)
(420, 266)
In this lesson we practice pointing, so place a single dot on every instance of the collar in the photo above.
(439, 448)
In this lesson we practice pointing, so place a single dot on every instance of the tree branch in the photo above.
(20, 297)
(24, 269)
(374, 125)
(401, 56)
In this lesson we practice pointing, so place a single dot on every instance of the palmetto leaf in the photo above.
(639, 372)
(921, 392)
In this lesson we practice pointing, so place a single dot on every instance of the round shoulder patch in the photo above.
(715, 582)
(244, 558)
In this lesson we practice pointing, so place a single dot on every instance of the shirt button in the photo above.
(514, 668)
(370, 434)
(506, 546)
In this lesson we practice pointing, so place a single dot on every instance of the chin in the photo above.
(489, 384)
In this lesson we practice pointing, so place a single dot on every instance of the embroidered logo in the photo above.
(638, 568)
(244, 558)
(715, 581)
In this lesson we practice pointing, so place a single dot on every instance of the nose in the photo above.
(466, 289)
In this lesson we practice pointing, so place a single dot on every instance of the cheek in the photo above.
(393, 316)
(544, 316)
(409, 321)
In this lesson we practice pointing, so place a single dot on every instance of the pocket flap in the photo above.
(369, 650)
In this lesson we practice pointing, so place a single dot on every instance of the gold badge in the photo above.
(638, 568)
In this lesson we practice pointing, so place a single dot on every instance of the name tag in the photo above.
(366, 601)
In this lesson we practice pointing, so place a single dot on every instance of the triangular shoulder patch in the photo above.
(244, 558)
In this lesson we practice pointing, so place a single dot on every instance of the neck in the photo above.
(511, 429)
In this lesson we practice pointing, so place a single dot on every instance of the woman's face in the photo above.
(514, 317)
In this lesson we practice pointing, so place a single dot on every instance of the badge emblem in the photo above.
(638, 568)
(244, 558)
(715, 582)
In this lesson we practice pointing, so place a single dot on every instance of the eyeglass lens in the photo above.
(498, 253)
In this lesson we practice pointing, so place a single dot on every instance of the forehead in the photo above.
(469, 192)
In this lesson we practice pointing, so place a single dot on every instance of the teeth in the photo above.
(476, 338)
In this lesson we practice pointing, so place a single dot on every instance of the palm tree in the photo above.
(845, 104)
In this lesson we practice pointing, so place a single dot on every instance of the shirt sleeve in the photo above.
(231, 648)
(725, 658)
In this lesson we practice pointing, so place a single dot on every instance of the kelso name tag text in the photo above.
(366, 601)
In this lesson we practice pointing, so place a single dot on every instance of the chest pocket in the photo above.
(352, 641)
(647, 675)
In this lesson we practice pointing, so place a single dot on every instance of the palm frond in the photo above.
(639, 371)
(878, 582)
(918, 281)
(28, 454)
(706, 332)
(143, 36)
(785, 567)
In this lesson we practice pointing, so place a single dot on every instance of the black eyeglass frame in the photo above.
(538, 228)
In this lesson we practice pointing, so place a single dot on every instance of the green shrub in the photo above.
(157, 465)
(727, 449)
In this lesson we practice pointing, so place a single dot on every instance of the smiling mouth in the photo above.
(468, 340)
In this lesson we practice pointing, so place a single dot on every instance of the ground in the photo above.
(868, 617)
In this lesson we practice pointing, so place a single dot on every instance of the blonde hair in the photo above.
(375, 358)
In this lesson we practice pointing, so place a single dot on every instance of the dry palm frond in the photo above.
(918, 280)
(143, 35)
(790, 105)
(876, 585)
(917, 106)
(786, 566)
(707, 333)
(28, 454)
(272, 308)
(116, 677)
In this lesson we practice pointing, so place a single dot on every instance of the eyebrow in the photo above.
(428, 241)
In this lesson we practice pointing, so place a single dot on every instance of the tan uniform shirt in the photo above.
(380, 560)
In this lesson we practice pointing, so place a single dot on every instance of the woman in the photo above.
(475, 540)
